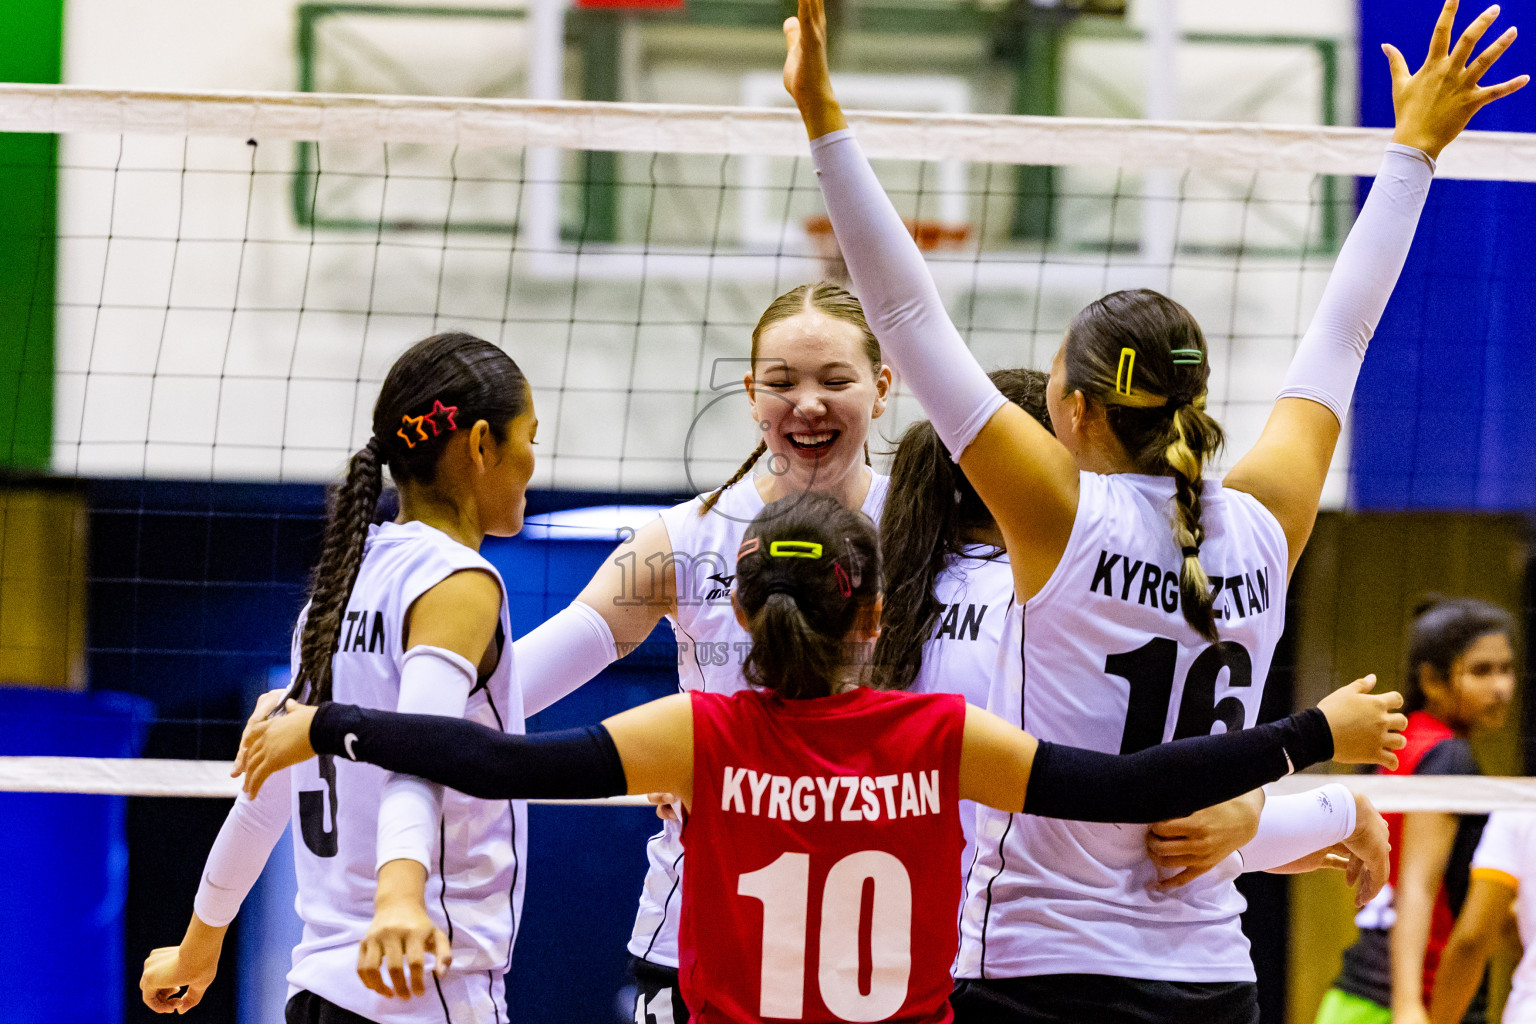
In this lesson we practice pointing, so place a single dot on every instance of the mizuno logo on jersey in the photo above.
(1137, 582)
(838, 798)
(724, 589)
(363, 631)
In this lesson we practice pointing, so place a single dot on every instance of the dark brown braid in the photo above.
(341, 556)
(746, 467)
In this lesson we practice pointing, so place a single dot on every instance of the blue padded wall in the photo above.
(1443, 414)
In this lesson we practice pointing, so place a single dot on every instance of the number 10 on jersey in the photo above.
(784, 889)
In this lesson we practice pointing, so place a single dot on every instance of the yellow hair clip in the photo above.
(1124, 371)
(794, 549)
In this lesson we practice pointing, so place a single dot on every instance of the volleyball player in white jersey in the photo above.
(948, 584)
(407, 616)
(815, 383)
(1151, 600)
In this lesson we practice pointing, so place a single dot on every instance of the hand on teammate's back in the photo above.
(269, 745)
(1366, 726)
(1435, 103)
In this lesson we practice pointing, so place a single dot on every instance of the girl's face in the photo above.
(508, 468)
(1482, 684)
(813, 395)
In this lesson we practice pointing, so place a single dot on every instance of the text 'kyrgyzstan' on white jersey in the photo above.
(1103, 658)
(475, 888)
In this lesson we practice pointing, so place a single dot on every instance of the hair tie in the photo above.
(748, 547)
(1125, 371)
(780, 586)
(1192, 552)
(1187, 356)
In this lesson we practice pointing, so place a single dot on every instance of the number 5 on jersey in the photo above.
(784, 889)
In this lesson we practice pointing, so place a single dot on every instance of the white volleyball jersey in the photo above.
(475, 888)
(1102, 658)
(711, 648)
(1506, 855)
(976, 590)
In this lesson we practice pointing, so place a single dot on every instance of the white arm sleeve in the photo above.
(241, 851)
(433, 681)
(1327, 362)
(900, 300)
(562, 654)
(1298, 824)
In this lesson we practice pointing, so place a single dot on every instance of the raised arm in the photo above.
(1288, 466)
(1011, 770)
(1027, 479)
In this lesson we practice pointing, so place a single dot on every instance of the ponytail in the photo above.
(788, 654)
(341, 556)
(1193, 435)
(920, 529)
(930, 507)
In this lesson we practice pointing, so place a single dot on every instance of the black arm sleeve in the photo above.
(1171, 780)
(575, 764)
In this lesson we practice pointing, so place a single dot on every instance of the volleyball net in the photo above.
(235, 273)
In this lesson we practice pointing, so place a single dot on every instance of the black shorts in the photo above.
(658, 1000)
(308, 1008)
(1102, 999)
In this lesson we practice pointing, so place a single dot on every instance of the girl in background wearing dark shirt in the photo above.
(1460, 681)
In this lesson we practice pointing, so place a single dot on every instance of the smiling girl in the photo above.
(815, 383)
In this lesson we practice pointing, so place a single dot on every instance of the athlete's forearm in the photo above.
(574, 764)
(244, 843)
(433, 681)
(900, 301)
(1291, 826)
(1171, 780)
(1328, 359)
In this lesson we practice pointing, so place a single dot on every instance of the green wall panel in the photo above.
(34, 35)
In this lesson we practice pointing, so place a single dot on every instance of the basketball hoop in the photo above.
(930, 235)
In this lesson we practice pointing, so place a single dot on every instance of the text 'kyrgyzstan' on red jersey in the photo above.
(823, 847)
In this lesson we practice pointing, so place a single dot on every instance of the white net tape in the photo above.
(1455, 794)
(121, 776)
(740, 131)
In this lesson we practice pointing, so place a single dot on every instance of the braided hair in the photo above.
(1142, 357)
(807, 568)
(437, 386)
(830, 300)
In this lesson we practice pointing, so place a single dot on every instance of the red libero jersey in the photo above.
(823, 849)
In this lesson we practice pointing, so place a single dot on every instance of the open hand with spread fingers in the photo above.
(1434, 103)
(1367, 727)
